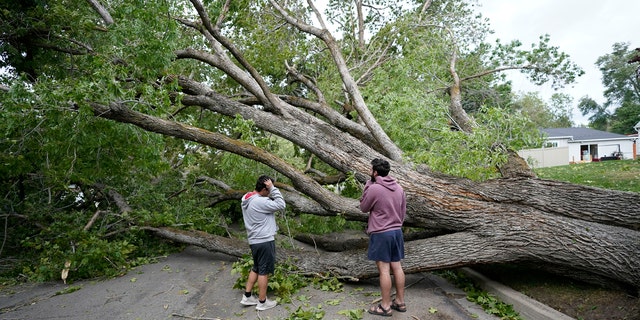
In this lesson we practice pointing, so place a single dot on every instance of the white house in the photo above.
(574, 145)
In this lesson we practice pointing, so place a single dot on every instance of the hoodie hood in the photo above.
(249, 195)
(387, 182)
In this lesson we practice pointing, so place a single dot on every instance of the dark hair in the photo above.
(260, 184)
(382, 167)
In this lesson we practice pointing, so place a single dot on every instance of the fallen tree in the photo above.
(564, 226)
(590, 232)
(593, 231)
(488, 226)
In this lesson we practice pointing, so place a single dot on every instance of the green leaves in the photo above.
(622, 88)
(284, 282)
(621, 111)
(541, 63)
(352, 314)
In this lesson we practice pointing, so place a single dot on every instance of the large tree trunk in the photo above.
(505, 220)
(492, 226)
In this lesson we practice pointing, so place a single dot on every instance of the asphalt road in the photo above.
(197, 284)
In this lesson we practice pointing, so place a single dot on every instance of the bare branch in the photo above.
(360, 17)
(271, 101)
(317, 13)
(120, 201)
(382, 58)
(223, 12)
(225, 196)
(223, 63)
(496, 70)
(392, 151)
(425, 6)
(214, 182)
(97, 6)
(306, 81)
(459, 116)
(93, 220)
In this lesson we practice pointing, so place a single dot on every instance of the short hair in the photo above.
(382, 167)
(260, 183)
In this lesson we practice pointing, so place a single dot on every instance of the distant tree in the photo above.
(532, 106)
(560, 107)
(599, 115)
(554, 114)
(621, 110)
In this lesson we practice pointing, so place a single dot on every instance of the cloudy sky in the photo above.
(584, 29)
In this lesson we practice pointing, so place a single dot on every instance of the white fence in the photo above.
(546, 157)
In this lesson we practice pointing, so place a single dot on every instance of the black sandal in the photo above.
(384, 312)
(400, 307)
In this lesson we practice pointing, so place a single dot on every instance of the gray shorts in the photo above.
(264, 257)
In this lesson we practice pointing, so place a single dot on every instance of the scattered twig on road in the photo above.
(195, 318)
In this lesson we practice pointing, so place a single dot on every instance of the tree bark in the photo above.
(99, 8)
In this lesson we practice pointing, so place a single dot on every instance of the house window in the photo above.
(550, 144)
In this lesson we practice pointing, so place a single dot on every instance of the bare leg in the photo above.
(251, 281)
(385, 283)
(263, 281)
(398, 277)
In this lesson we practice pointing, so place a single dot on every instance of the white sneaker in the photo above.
(250, 301)
(268, 304)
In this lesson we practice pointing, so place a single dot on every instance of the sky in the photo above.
(584, 29)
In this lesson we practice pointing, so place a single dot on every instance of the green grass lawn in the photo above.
(621, 175)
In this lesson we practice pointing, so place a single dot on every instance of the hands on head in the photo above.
(268, 183)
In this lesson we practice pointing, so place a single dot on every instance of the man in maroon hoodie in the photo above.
(384, 199)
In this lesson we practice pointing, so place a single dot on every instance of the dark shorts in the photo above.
(264, 257)
(386, 246)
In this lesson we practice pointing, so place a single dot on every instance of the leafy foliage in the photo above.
(285, 281)
(309, 313)
(477, 155)
(352, 314)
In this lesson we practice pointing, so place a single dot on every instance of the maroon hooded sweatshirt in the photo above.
(385, 201)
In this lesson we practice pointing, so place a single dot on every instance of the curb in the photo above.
(528, 308)
(459, 298)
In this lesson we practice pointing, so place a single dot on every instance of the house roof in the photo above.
(580, 134)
